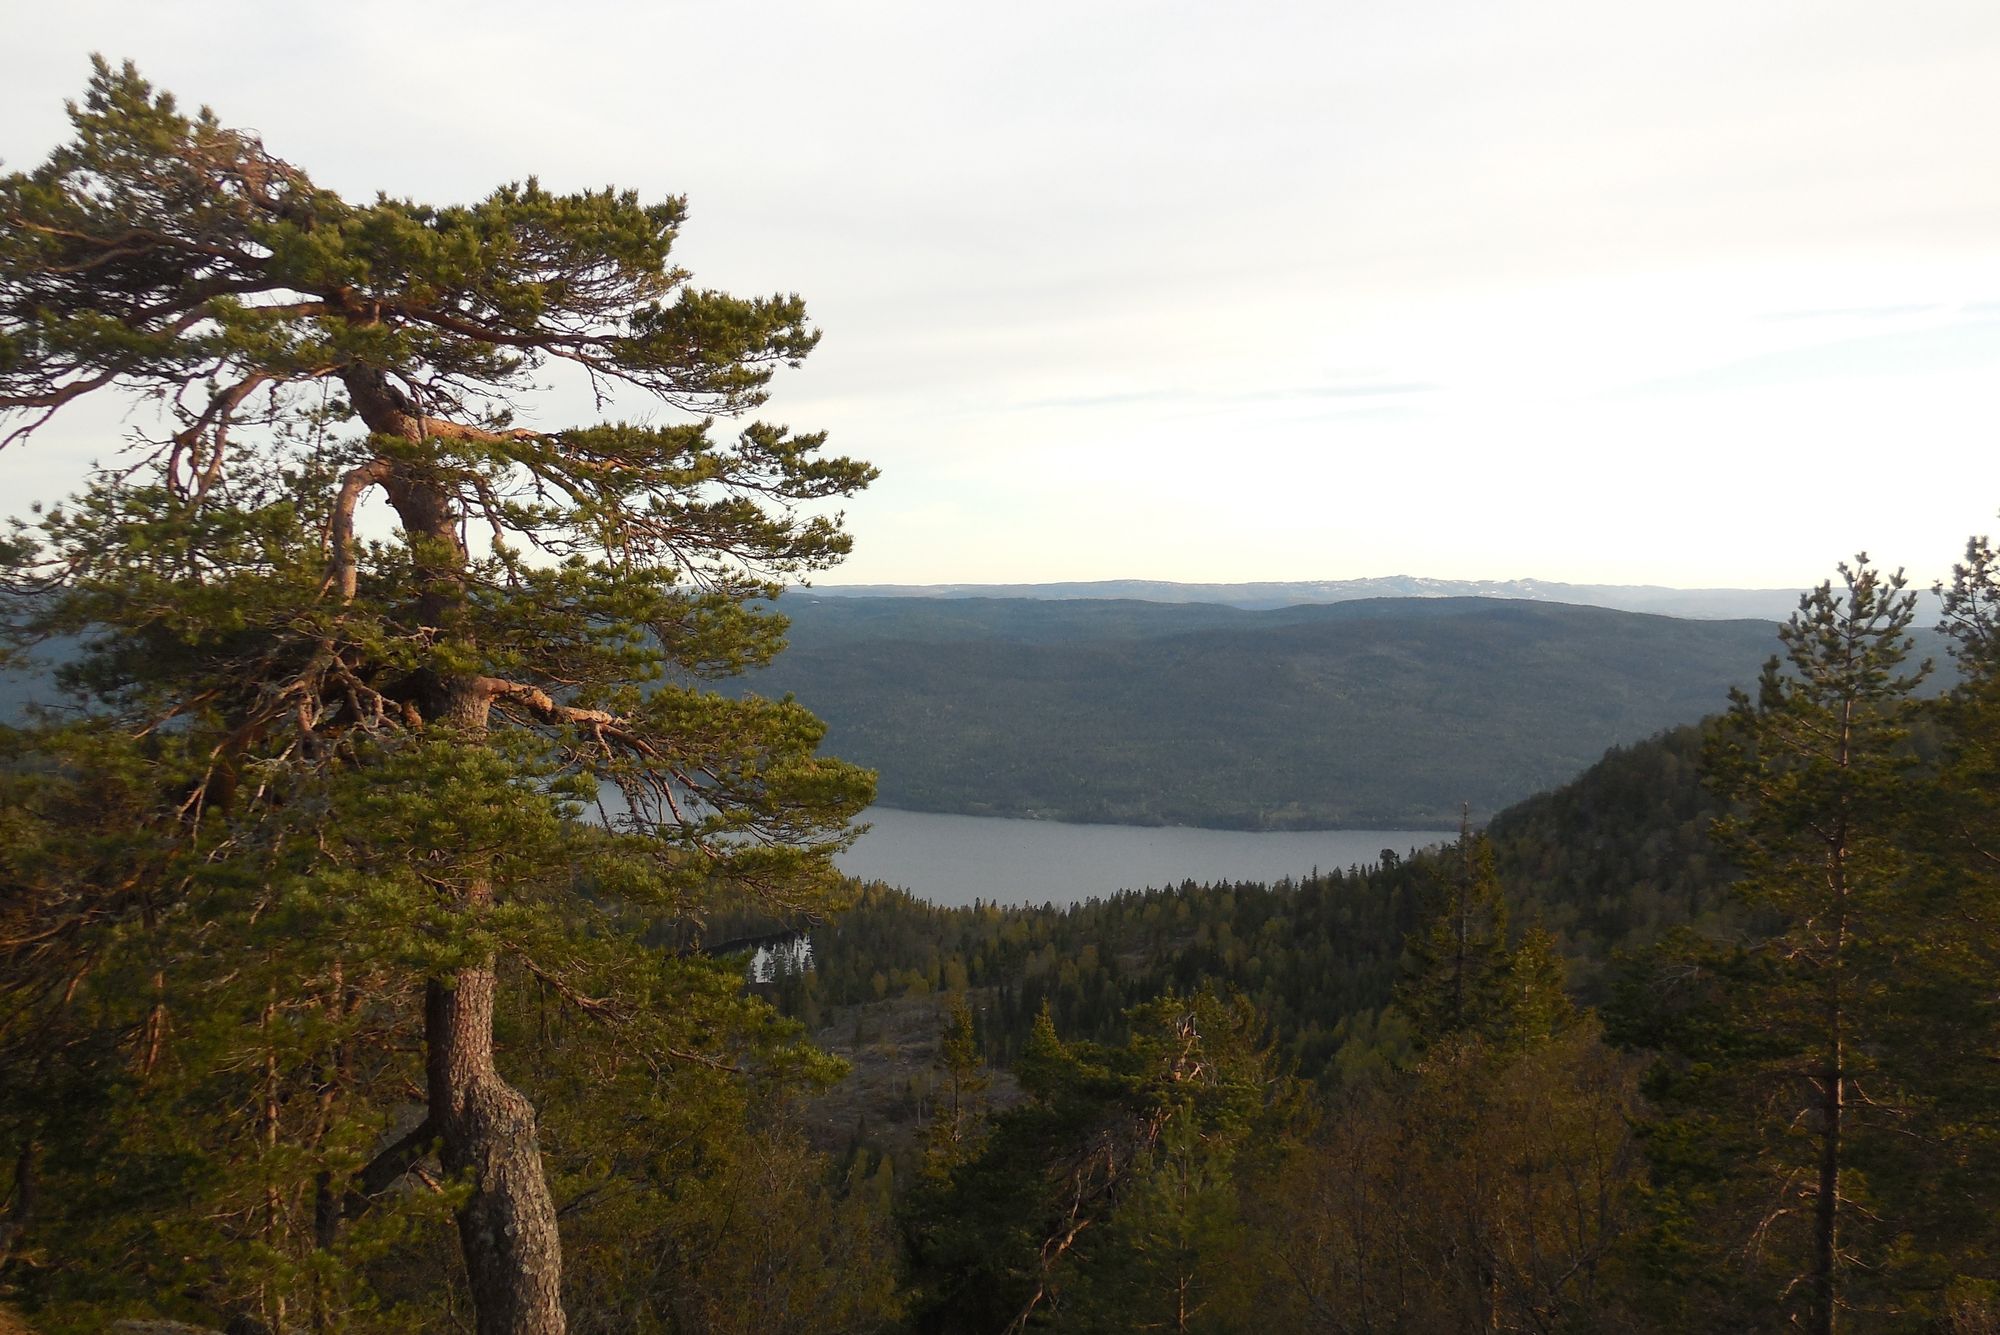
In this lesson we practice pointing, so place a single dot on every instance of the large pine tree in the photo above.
(369, 752)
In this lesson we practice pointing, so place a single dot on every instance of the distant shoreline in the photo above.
(1411, 825)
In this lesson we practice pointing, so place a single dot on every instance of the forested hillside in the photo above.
(1632, 1060)
(1372, 714)
(1385, 713)
(1608, 863)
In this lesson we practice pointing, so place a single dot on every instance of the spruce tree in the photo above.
(960, 1099)
(354, 766)
(1463, 979)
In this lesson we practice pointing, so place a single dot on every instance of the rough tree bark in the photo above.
(507, 1226)
(242, 293)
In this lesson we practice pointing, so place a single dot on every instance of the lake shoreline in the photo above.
(1436, 825)
(951, 859)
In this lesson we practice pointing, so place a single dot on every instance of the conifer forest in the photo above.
(378, 906)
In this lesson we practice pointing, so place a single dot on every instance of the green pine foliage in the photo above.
(1317, 956)
(1108, 1200)
(310, 828)
(961, 1092)
(1621, 855)
(1817, 1152)
(1482, 1191)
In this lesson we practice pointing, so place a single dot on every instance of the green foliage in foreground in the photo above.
(215, 1103)
(1179, 1179)
(1108, 1198)
(1824, 1118)
(283, 878)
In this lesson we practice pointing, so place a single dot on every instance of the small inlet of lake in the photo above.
(954, 860)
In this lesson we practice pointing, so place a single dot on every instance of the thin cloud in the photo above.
(1851, 313)
(1965, 345)
(1366, 391)
(1207, 399)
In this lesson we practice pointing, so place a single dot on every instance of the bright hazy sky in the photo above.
(1696, 293)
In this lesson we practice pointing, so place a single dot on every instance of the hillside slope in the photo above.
(1372, 713)
(1607, 862)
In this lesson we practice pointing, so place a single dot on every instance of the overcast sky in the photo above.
(1693, 293)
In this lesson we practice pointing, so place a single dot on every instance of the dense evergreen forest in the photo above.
(1699, 1041)
(331, 1000)
(1396, 1116)
(1318, 956)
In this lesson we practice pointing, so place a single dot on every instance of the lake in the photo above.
(954, 860)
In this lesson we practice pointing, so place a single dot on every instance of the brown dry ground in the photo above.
(893, 1049)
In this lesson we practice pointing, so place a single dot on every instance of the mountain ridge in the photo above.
(1700, 604)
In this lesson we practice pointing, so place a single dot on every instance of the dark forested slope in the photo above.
(1620, 854)
(1606, 862)
(1377, 713)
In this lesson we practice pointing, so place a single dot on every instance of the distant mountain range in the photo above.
(1374, 713)
(1705, 604)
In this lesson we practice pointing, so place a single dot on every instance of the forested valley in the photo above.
(334, 995)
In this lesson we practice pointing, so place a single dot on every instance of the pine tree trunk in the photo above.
(1826, 1212)
(507, 1227)
(1833, 1083)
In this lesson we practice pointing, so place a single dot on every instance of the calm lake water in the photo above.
(957, 859)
